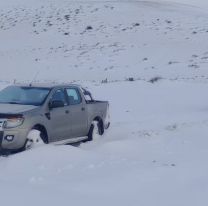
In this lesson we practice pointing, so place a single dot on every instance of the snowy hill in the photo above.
(155, 151)
(103, 40)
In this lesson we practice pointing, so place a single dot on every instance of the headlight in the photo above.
(13, 122)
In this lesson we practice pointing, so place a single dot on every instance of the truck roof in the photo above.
(46, 85)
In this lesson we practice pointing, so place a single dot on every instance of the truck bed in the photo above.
(95, 101)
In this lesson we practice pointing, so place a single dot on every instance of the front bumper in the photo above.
(17, 143)
(4, 151)
(1, 138)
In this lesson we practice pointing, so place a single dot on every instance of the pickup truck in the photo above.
(62, 114)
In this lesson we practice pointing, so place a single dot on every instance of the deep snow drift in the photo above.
(155, 151)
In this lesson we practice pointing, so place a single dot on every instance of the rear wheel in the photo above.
(100, 127)
(96, 130)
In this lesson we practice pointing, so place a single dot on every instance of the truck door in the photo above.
(77, 112)
(59, 124)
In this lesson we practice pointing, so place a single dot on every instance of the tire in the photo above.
(34, 139)
(96, 128)
(100, 127)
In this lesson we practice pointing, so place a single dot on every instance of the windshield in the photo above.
(24, 95)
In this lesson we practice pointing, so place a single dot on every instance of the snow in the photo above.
(34, 139)
(38, 39)
(156, 148)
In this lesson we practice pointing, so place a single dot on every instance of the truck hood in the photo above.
(15, 108)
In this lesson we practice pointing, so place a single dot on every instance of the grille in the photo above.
(1, 138)
(1, 124)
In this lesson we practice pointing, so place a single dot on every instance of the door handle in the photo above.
(48, 115)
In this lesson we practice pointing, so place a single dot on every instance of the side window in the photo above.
(59, 96)
(73, 96)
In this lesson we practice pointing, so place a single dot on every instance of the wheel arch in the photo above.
(43, 130)
(100, 124)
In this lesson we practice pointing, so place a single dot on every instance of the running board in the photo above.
(70, 141)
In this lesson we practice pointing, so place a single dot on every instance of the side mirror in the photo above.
(86, 93)
(56, 104)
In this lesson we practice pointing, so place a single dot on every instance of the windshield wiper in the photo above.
(12, 103)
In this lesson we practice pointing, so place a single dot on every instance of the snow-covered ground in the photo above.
(155, 151)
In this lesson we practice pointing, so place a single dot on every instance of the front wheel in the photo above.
(33, 139)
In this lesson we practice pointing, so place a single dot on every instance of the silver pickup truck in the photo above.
(62, 114)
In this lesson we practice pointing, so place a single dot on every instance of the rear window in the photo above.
(74, 96)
